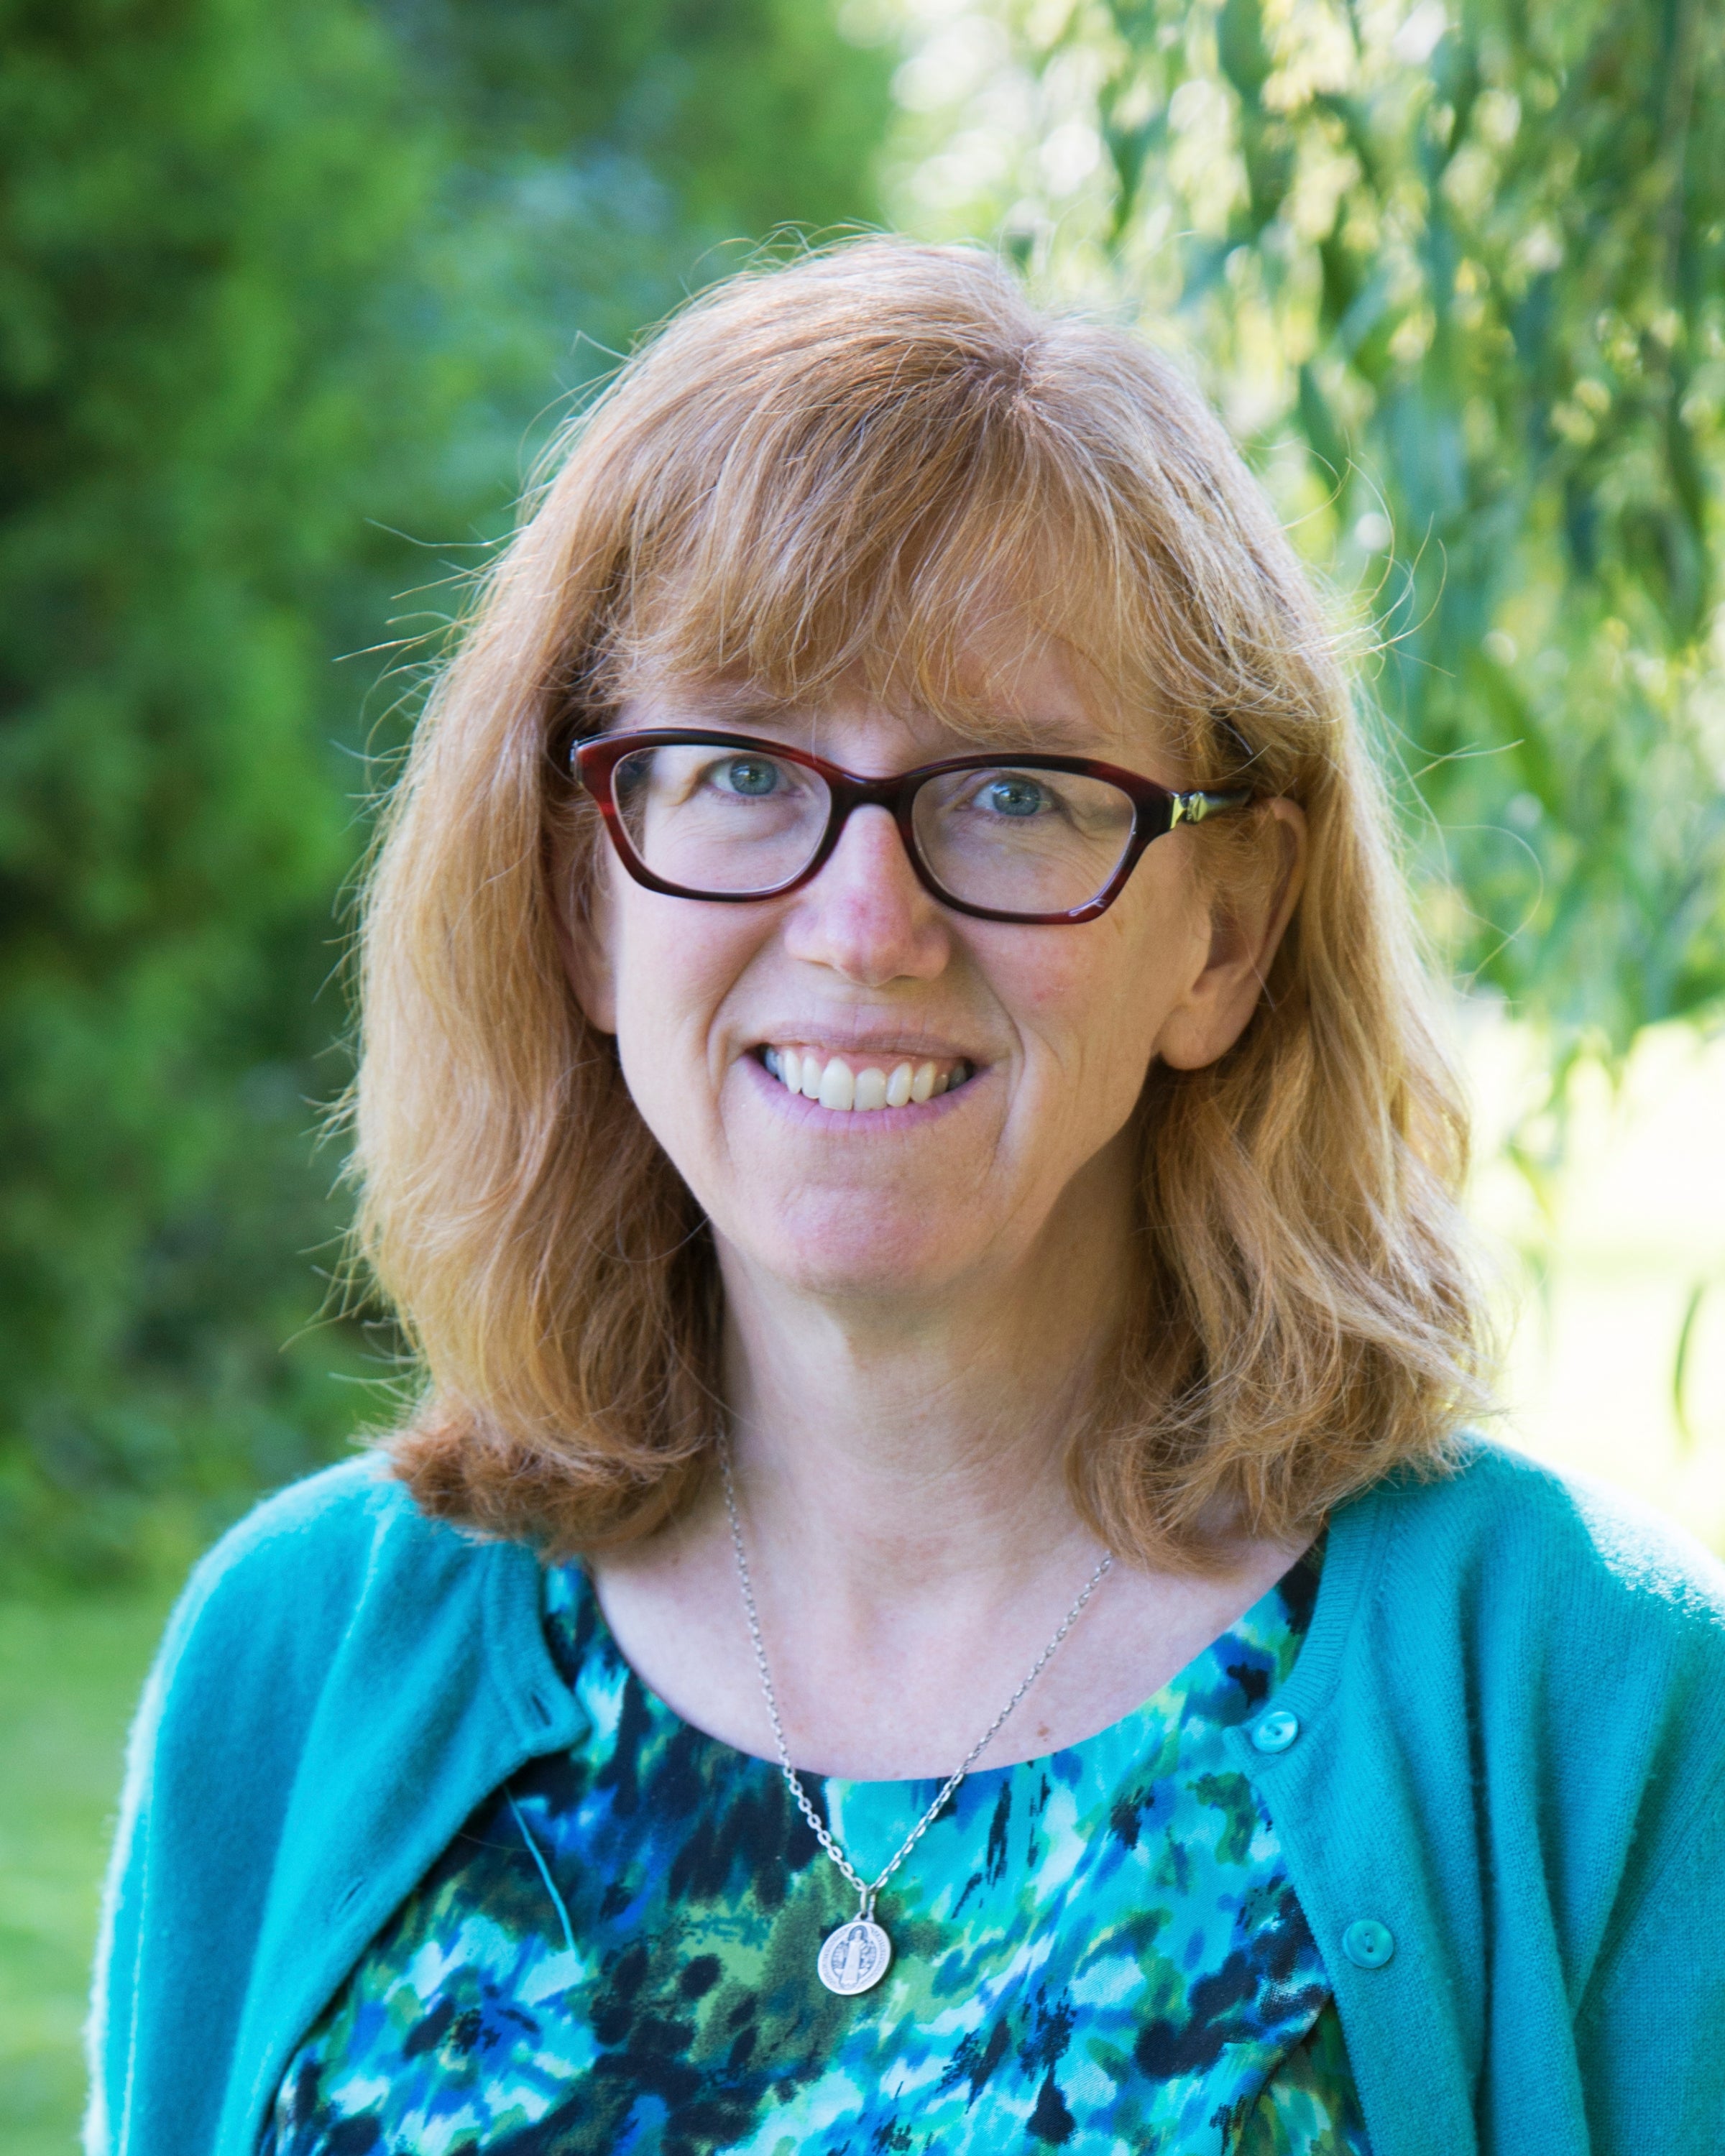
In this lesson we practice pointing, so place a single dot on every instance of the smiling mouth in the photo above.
(856, 1083)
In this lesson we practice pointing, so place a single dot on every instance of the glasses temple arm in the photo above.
(1193, 808)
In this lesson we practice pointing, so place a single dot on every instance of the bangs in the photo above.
(920, 511)
(924, 581)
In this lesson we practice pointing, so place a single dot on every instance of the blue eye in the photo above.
(750, 775)
(1016, 797)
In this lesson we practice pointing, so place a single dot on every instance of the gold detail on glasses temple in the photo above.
(1193, 807)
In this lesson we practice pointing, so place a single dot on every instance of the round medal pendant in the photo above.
(854, 1957)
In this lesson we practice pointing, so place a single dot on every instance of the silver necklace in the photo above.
(857, 1955)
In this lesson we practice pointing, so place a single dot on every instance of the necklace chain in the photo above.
(866, 1892)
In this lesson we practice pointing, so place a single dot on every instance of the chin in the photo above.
(842, 1251)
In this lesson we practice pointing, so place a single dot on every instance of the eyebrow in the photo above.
(748, 710)
(729, 708)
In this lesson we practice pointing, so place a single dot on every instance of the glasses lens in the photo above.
(1022, 841)
(731, 821)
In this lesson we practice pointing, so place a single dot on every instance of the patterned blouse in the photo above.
(1093, 1951)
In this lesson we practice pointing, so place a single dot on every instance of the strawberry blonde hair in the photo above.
(806, 479)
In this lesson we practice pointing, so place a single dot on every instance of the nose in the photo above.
(865, 916)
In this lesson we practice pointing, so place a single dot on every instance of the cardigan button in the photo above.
(1276, 1731)
(1366, 1943)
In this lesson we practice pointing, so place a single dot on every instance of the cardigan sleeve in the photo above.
(1511, 1757)
(212, 1755)
(340, 1683)
(111, 2033)
(1651, 2031)
(145, 1906)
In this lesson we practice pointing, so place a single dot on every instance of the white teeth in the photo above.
(834, 1084)
(838, 1088)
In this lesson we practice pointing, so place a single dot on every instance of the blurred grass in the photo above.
(1595, 1288)
(1614, 1238)
(70, 1668)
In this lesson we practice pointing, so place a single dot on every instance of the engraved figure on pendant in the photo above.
(854, 1957)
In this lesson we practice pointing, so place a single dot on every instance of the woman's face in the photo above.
(1040, 1036)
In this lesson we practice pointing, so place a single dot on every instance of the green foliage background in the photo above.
(279, 286)
(1456, 268)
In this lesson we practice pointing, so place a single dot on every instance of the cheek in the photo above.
(1096, 999)
(673, 964)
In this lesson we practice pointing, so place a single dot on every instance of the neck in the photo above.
(899, 1471)
(916, 1451)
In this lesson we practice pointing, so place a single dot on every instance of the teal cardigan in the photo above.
(1497, 1771)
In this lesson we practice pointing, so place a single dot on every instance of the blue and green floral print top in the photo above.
(1096, 1950)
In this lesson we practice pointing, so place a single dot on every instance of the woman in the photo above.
(933, 1599)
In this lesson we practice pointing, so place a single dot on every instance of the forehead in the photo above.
(1019, 688)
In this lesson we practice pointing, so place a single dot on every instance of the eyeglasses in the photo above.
(729, 818)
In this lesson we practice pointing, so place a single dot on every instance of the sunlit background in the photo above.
(290, 298)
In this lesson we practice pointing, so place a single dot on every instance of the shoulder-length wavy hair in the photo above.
(843, 470)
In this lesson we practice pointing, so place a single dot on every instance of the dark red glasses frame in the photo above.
(1157, 810)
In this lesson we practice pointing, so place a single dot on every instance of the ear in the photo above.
(580, 914)
(1212, 1014)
